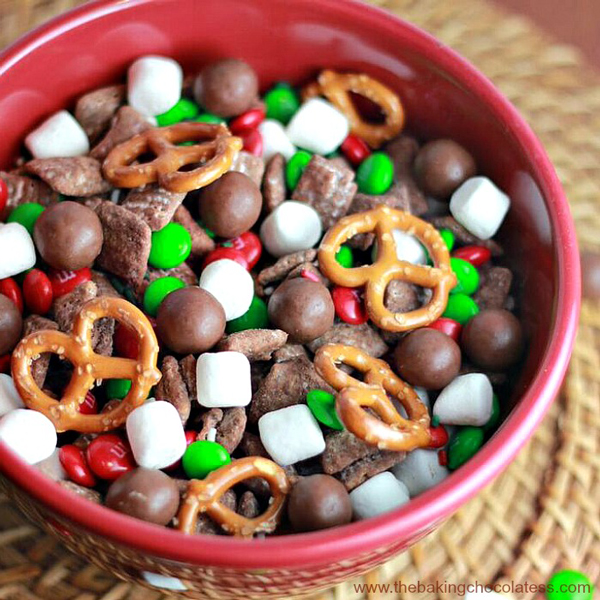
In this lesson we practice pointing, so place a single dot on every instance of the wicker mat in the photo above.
(543, 513)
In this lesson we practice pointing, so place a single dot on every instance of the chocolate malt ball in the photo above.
(11, 324)
(590, 275)
(302, 308)
(68, 236)
(190, 320)
(493, 339)
(230, 205)
(227, 87)
(427, 358)
(146, 494)
(319, 502)
(441, 166)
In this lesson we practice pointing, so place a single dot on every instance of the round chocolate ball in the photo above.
(68, 236)
(190, 320)
(230, 205)
(590, 275)
(319, 502)
(493, 339)
(302, 308)
(227, 87)
(146, 494)
(427, 358)
(441, 166)
(11, 324)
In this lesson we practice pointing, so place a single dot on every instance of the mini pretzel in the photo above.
(88, 367)
(376, 277)
(336, 87)
(392, 432)
(218, 153)
(204, 497)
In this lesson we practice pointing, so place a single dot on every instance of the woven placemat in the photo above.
(543, 513)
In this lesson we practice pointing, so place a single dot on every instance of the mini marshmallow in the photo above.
(378, 495)
(223, 379)
(28, 433)
(291, 227)
(479, 206)
(318, 127)
(275, 140)
(164, 581)
(291, 434)
(465, 401)
(408, 248)
(52, 467)
(156, 434)
(16, 249)
(9, 397)
(420, 470)
(230, 284)
(59, 136)
(154, 85)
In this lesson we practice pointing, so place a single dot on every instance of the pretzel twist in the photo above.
(376, 277)
(203, 496)
(88, 367)
(336, 87)
(392, 431)
(216, 154)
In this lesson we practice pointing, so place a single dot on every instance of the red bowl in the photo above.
(444, 96)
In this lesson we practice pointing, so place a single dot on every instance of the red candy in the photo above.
(109, 456)
(251, 119)
(38, 293)
(3, 195)
(190, 437)
(476, 255)
(10, 288)
(439, 436)
(64, 282)
(249, 245)
(5, 364)
(253, 142)
(309, 275)
(443, 458)
(448, 326)
(221, 252)
(89, 406)
(349, 306)
(73, 461)
(125, 342)
(355, 149)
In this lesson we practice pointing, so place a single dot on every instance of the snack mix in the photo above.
(236, 314)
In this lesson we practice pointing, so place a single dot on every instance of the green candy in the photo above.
(184, 110)
(463, 446)
(494, 417)
(208, 118)
(467, 276)
(295, 167)
(26, 214)
(170, 246)
(461, 308)
(569, 585)
(256, 317)
(117, 388)
(157, 291)
(375, 174)
(449, 238)
(204, 457)
(281, 103)
(344, 257)
(322, 406)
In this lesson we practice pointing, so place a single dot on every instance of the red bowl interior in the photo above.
(443, 96)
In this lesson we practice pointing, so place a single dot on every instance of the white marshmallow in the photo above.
(318, 127)
(479, 206)
(465, 401)
(156, 434)
(52, 467)
(291, 434)
(420, 470)
(223, 379)
(154, 85)
(17, 252)
(164, 581)
(408, 248)
(9, 397)
(59, 136)
(378, 495)
(291, 227)
(28, 433)
(275, 140)
(230, 284)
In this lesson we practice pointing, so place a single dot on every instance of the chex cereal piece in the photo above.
(39, 368)
(363, 469)
(378, 495)
(342, 449)
(153, 204)
(401, 296)
(95, 110)
(255, 344)
(231, 428)
(58, 136)
(25, 189)
(248, 505)
(250, 165)
(77, 176)
(288, 352)
(223, 379)
(202, 243)
(171, 388)
(29, 434)
(187, 366)
(87, 493)
(105, 287)
(206, 525)
(420, 471)
(284, 265)
(363, 337)
(494, 287)
(273, 185)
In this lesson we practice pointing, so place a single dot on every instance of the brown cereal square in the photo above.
(250, 165)
(209, 419)
(342, 448)
(231, 428)
(95, 110)
(202, 243)
(289, 351)
(153, 204)
(105, 287)
(172, 388)
(363, 337)
(39, 368)
(494, 287)
(255, 344)
(273, 186)
(84, 492)
(369, 466)
(23, 189)
(187, 366)
(401, 296)
(248, 505)
(284, 265)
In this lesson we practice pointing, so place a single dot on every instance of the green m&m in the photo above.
(26, 214)
(157, 291)
(464, 445)
(467, 276)
(184, 110)
(117, 388)
(171, 246)
(204, 457)
(449, 238)
(460, 308)
(569, 585)
(295, 167)
(494, 417)
(345, 257)
(281, 103)
(256, 317)
(322, 406)
(375, 174)
(208, 118)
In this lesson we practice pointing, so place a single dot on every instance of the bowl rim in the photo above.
(428, 509)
